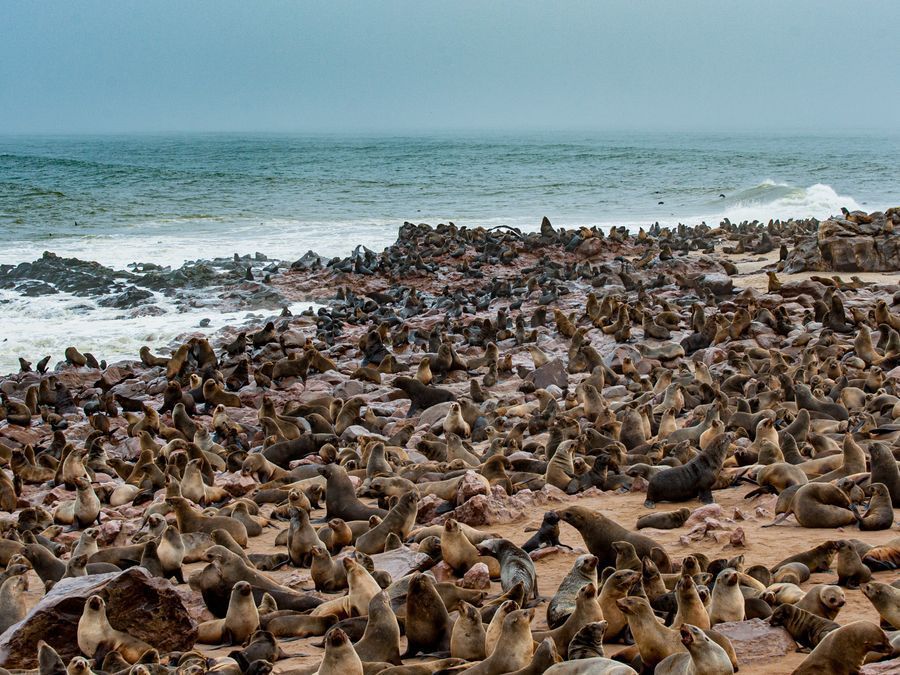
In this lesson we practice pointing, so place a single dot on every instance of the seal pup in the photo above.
(546, 535)
(666, 520)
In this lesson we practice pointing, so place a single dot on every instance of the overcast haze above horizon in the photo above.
(391, 66)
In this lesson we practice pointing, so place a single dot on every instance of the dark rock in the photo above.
(146, 607)
(719, 284)
(130, 297)
(553, 372)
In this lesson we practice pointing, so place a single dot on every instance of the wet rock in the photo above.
(552, 373)
(143, 606)
(477, 578)
(756, 640)
(130, 297)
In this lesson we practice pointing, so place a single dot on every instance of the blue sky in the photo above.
(396, 66)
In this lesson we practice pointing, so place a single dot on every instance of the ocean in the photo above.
(120, 200)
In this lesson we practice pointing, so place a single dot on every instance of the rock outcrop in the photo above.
(146, 607)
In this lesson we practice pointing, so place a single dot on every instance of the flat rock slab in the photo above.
(400, 562)
(756, 640)
(146, 607)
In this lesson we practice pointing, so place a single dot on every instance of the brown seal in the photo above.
(805, 627)
(704, 656)
(460, 553)
(96, 636)
(850, 568)
(240, 622)
(381, 640)
(13, 607)
(816, 559)
(587, 610)
(616, 587)
(467, 639)
(694, 479)
(583, 572)
(843, 650)
(690, 607)
(340, 496)
(399, 520)
(340, 657)
(880, 513)
(192, 521)
(599, 533)
(727, 602)
(884, 598)
(517, 646)
(665, 520)
(427, 621)
(823, 600)
(655, 642)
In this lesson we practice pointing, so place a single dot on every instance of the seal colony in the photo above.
(348, 492)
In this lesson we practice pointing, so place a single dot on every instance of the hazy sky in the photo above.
(384, 65)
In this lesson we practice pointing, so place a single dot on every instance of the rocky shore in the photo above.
(464, 378)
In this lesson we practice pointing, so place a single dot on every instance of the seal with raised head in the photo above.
(340, 496)
(96, 636)
(694, 479)
(562, 604)
(428, 624)
(704, 656)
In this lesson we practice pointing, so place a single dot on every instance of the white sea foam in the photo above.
(35, 327)
(175, 241)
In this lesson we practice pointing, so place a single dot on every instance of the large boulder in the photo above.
(858, 242)
(551, 373)
(146, 607)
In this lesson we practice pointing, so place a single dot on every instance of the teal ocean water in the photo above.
(167, 199)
